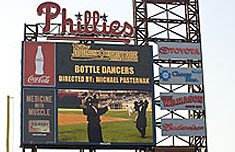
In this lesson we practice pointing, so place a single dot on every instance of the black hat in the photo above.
(88, 101)
(84, 94)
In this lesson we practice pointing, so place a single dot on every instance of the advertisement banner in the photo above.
(39, 64)
(38, 116)
(179, 51)
(183, 127)
(181, 101)
(180, 76)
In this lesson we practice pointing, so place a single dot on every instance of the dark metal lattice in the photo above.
(171, 21)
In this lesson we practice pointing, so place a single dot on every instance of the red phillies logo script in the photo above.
(115, 27)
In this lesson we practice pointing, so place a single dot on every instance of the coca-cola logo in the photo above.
(38, 79)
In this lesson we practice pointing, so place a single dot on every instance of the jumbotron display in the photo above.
(87, 94)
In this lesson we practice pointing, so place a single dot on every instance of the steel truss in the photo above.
(34, 32)
(171, 21)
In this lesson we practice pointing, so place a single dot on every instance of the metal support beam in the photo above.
(140, 22)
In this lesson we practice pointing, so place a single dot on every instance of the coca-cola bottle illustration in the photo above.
(39, 61)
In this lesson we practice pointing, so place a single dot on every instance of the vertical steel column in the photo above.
(140, 22)
(192, 20)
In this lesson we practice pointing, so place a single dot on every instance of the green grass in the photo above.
(119, 114)
(113, 132)
(72, 133)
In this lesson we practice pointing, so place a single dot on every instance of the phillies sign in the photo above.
(179, 51)
(90, 27)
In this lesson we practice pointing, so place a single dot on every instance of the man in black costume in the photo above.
(141, 119)
(93, 117)
(136, 108)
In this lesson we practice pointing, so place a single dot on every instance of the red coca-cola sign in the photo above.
(39, 64)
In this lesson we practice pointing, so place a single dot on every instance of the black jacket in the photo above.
(141, 119)
(93, 118)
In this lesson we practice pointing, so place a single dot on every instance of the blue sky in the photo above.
(217, 28)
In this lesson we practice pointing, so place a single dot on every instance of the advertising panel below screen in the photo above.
(39, 116)
(182, 101)
(183, 127)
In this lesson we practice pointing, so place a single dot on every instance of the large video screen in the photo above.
(86, 94)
